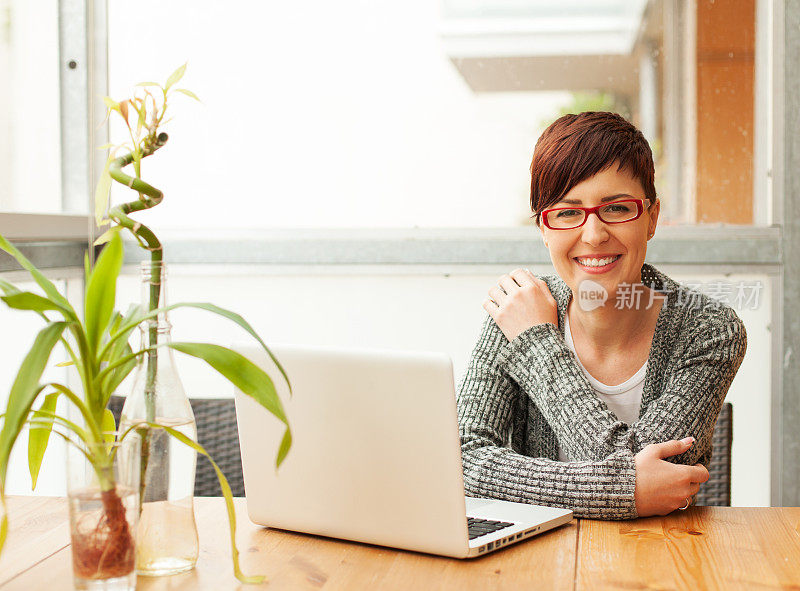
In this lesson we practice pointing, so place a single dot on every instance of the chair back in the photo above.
(217, 432)
(717, 491)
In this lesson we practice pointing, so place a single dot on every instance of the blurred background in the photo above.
(357, 172)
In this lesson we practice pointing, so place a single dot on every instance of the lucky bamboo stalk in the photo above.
(149, 197)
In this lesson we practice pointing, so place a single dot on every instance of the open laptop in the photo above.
(375, 458)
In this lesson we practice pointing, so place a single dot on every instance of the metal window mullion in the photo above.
(688, 152)
(74, 90)
(83, 59)
(762, 116)
(671, 111)
(97, 34)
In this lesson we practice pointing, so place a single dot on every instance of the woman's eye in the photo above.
(565, 213)
(618, 208)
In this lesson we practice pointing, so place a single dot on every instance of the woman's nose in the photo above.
(594, 230)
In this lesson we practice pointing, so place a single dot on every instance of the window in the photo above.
(30, 154)
(413, 114)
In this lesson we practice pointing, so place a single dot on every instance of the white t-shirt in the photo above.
(624, 400)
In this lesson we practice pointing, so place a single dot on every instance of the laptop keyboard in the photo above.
(481, 527)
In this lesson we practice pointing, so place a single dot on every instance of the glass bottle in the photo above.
(166, 538)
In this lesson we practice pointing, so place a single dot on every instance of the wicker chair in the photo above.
(717, 491)
(217, 432)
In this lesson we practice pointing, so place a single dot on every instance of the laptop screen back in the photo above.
(375, 456)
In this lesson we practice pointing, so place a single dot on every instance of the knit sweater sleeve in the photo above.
(600, 489)
(713, 347)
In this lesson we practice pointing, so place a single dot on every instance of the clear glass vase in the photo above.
(103, 511)
(167, 534)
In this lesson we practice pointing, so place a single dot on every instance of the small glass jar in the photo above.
(103, 494)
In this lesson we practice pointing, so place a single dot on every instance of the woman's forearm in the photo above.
(596, 490)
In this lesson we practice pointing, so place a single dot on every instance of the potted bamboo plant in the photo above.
(96, 341)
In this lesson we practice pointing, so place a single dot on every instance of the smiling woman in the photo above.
(596, 396)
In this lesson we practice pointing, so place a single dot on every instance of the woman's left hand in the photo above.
(519, 301)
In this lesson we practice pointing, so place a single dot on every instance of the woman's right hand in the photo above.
(662, 487)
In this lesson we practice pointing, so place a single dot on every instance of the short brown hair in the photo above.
(576, 147)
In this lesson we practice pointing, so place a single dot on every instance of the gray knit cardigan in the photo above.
(519, 400)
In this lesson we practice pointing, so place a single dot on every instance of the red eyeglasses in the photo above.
(616, 212)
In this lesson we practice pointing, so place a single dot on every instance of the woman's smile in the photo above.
(597, 264)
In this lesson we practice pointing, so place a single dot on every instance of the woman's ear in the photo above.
(652, 213)
(540, 227)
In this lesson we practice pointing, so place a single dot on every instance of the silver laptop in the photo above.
(375, 458)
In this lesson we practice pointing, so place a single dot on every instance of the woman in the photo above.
(596, 389)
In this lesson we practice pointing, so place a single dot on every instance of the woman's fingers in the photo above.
(693, 489)
(497, 294)
(699, 473)
(517, 303)
(507, 284)
(671, 448)
(523, 277)
(542, 285)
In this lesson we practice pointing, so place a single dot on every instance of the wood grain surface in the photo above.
(38, 528)
(298, 561)
(702, 548)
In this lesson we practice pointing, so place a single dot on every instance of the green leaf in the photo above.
(39, 435)
(118, 376)
(82, 408)
(233, 316)
(119, 333)
(108, 426)
(246, 376)
(102, 192)
(123, 362)
(175, 76)
(141, 317)
(50, 417)
(65, 364)
(101, 291)
(27, 300)
(9, 288)
(3, 523)
(25, 390)
(239, 371)
(140, 120)
(286, 443)
(118, 350)
(226, 492)
(107, 235)
(43, 282)
(188, 93)
(112, 104)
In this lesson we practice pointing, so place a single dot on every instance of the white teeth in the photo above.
(598, 262)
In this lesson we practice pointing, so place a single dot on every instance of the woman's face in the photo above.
(627, 242)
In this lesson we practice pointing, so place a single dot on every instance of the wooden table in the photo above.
(701, 548)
